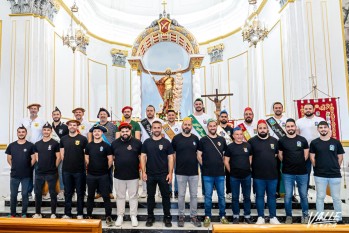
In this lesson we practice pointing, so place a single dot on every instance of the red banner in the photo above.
(325, 108)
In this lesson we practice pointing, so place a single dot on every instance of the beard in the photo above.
(291, 132)
(198, 109)
(323, 133)
(56, 120)
(157, 134)
(213, 132)
(127, 116)
(263, 135)
(186, 130)
(249, 120)
(278, 113)
(125, 137)
(309, 114)
(21, 137)
(224, 121)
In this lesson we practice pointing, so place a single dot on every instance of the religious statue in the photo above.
(165, 87)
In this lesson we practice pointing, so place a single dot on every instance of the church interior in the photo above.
(94, 54)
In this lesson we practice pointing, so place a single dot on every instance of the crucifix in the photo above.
(217, 101)
(164, 3)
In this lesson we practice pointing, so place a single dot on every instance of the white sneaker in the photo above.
(260, 220)
(79, 217)
(144, 194)
(229, 196)
(37, 216)
(66, 217)
(134, 221)
(274, 221)
(53, 216)
(119, 220)
(46, 197)
(60, 195)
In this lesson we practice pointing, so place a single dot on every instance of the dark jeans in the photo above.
(279, 176)
(152, 181)
(14, 185)
(308, 165)
(202, 181)
(102, 183)
(246, 192)
(227, 182)
(262, 186)
(110, 179)
(74, 181)
(39, 184)
(218, 182)
(31, 181)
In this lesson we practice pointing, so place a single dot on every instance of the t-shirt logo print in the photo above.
(194, 143)
(129, 147)
(77, 142)
(36, 124)
(49, 147)
(331, 147)
(24, 150)
(299, 144)
(245, 149)
(161, 147)
(272, 146)
(219, 143)
(60, 131)
(101, 149)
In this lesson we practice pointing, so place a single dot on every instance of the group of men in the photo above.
(247, 155)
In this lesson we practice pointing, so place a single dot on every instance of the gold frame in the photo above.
(286, 4)
(3, 146)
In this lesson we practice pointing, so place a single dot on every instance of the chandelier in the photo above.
(75, 38)
(254, 30)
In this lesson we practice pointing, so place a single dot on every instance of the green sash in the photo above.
(197, 126)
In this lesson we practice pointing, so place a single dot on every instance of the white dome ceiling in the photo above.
(123, 20)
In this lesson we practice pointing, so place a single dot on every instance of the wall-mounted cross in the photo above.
(217, 101)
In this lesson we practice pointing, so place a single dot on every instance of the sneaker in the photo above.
(229, 196)
(294, 199)
(260, 220)
(277, 196)
(195, 221)
(109, 221)
(224, 220)
(89, 217)
(288, 220)
(11, 216)
(181, 221)
(274, 221)
(119, 220)
(167, 222)
(207, 221)
(37, 216)
(248, 220)
(150, 222)
(66, 217)
(60, 195)
(305, 220)
(176, 195)
(144, 194)
(53, 216)
(46, 197)
(134, 221)
(98, 196)
(235, 220)
(79, 217)
(340, 222)
(23, 216)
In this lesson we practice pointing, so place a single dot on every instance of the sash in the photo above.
(146, 125)
(275, 127)
(197, 126)
(245, 132)
(168, 130)
(224, 134)
(54, 136)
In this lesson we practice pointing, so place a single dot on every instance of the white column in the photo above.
(196, 84)
(136, 94)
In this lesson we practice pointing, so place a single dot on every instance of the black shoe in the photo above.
(195, 221)
(170, 194)
(89, 217)
(109, 221)
(176, 195)
(150, 222)
(248, 220)
(235, 220)
(167, 222)
(277, 196)
(294, 199)
(340, 222)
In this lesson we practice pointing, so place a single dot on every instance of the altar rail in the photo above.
(283, 228)
(28, 225)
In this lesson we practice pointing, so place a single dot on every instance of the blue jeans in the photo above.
(302, 183)
(308, 166)
(246, 192)
(14, 185)
(335, 187)
(209, 182)
(60, 175)
(262, 186)
(74, 181)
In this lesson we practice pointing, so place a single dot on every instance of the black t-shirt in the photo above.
(326, 157)
(228, 130)
(293, 155)
(61, 129)
(157, 152)
(186, 158)
(126, 160)
(21, 159)
(239, 155)
(212, 160)
(98, 158)
(264, 162)
(47, 156)
(74, 155)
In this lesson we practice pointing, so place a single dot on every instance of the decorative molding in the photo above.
(3, 146)
(284, 3)
(119, 57)
(345, 143)
(44, 8)
(216, 53)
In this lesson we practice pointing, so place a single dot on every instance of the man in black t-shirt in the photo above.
(48, 158)
(74, 176)
(326, 155)
(20, 157)
(264, 150)
(237, 162)
(157, 168)
(293, 153)
(126, 150)
(98, 158)
(210, 156)
(185, 146)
